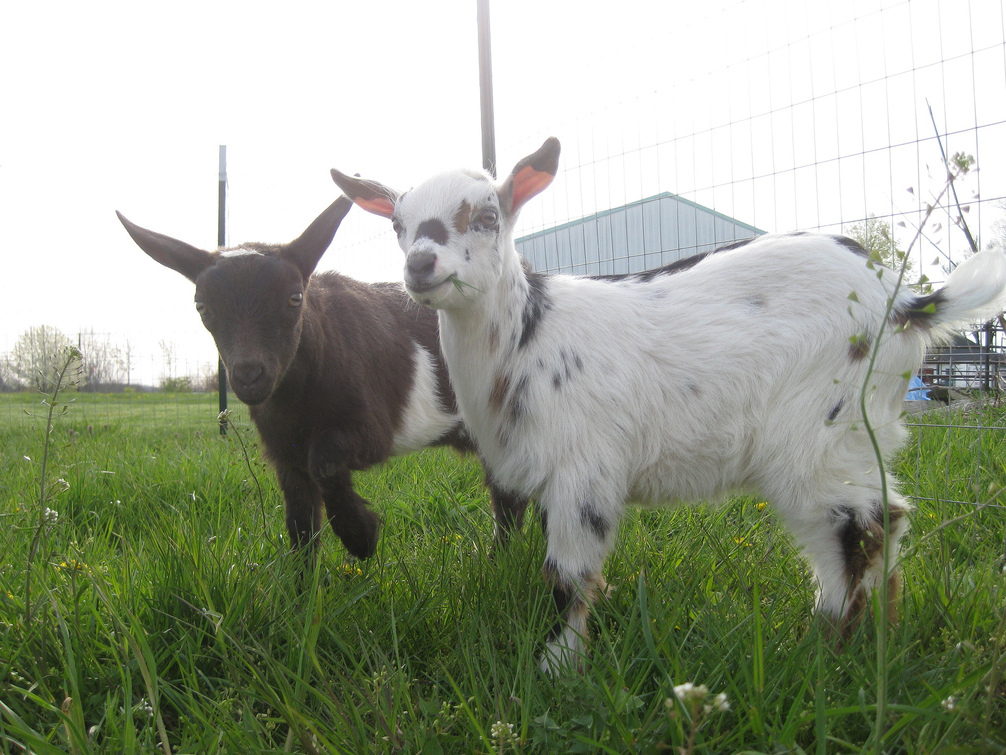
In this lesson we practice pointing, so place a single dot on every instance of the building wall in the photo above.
(639, 236)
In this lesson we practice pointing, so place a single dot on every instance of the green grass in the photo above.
(167, 613)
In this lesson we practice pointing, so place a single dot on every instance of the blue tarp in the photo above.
(916, 390)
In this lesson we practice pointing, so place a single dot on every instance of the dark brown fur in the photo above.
(326, 377)
(862, 547)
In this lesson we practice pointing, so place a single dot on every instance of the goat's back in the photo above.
(742, 370)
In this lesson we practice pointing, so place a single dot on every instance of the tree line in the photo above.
(105, 366)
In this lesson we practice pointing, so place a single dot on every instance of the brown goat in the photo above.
(338, 375)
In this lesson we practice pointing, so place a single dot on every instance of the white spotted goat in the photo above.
(741, 369)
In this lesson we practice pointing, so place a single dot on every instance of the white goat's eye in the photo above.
(296, 299)
(488, 218)
(201, 308)
(397, 227)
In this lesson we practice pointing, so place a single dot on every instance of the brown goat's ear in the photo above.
(530, 176)
(306, 249)
(188, 260)
(370, 195)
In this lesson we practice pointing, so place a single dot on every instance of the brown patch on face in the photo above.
(462, 217)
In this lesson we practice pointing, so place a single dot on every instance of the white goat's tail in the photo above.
(974, 292)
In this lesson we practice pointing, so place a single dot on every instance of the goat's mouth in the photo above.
(251, 396)
(418, 288)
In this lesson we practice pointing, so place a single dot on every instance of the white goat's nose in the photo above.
(420, 263)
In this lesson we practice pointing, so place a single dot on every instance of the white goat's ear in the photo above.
(306, 249)
(530, 176)
(370, 195)
(188, 260)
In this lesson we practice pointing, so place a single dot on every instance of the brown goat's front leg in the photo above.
(348, 513)
(303, 508)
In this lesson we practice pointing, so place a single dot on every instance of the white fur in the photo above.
(424, 419)
(240, 251)
(684, 387)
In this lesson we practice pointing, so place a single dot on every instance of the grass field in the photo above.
(160, 611)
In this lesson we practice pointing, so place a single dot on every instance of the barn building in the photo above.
(635, 237)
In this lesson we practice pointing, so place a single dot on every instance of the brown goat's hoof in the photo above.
(361, 540)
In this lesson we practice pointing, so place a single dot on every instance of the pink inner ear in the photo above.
(378, 205)
(526, 183)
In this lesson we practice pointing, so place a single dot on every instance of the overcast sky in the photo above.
(123, 105)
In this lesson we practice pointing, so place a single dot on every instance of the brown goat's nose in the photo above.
(247, 373)
(420, 263)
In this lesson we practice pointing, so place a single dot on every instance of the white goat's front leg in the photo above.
(580, 528)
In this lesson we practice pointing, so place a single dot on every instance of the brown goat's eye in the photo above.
(201, 308)
(296, 300)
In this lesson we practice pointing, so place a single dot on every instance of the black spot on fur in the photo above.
(537, 304)
(432, 229)
(852, 245)
(570, 364)
(735, 244)
(563, 593)
(647, 275)
(919, 311)
(678, 266)
(862, 544)
(592, 518)
(836, 409)
(848, 533)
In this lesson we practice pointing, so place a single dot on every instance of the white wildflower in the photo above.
(51, 515)
(719, 704)
(501, 731)
(689, 694)
(949, 704)
(144, 708)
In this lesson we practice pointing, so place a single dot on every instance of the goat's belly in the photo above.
(670, 482)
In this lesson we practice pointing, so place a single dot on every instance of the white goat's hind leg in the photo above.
(845, 546)
(579, 535)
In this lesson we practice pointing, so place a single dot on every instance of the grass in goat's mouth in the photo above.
(460, 285)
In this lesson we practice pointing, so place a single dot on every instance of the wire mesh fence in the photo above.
(759, 116)
(800, 117)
